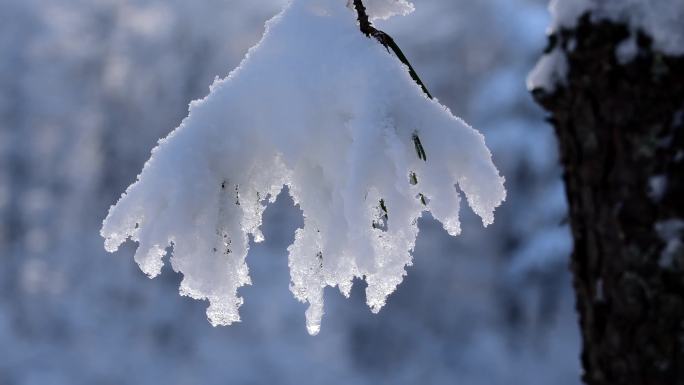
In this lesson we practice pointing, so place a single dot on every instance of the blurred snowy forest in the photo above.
(86, 90)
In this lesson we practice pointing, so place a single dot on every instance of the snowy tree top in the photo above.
(383, 9)
(662, 20)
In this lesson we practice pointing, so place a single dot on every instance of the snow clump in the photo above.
(320, 108)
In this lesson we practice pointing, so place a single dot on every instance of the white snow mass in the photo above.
(318, 107)
(550, 70)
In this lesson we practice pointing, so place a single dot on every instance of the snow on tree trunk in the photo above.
(320, 108)
(615, 91)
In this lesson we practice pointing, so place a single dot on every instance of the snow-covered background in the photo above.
(86, 89)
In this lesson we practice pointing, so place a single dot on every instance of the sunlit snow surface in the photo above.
(320, 108)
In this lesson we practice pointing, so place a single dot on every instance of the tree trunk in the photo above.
(621, 134)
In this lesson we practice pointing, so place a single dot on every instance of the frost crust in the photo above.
(322, 109)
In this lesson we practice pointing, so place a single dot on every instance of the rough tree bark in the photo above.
(621, 134)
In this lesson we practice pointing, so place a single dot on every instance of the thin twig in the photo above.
(386, 40)
(364, 24)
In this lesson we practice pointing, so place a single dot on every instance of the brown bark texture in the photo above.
(621, 135)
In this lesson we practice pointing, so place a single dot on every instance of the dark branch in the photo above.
(365, 25)
(387, 42)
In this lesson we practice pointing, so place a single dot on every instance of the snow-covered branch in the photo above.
(320, 108)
